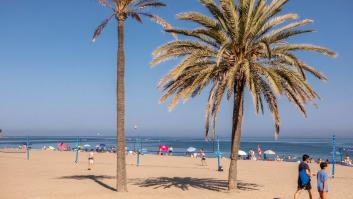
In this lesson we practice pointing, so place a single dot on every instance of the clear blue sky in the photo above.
(55, 81)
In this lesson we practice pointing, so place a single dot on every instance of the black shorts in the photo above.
(305, 187)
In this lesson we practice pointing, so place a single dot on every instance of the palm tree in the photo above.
(121, 10)
(240, 48)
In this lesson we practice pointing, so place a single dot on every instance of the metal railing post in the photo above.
(138, 151)
(77, 144)
(218, 153)
(333, 155)
(27, 147)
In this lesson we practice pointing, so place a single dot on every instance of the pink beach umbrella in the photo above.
(163, 148)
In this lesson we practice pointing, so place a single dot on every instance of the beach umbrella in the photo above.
(269, 152)
(242, 153)
(163, 148)
(191, 149)
(86, 145)
(51, 148)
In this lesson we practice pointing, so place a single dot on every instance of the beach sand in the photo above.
(53, 174)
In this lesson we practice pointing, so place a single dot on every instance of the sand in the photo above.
(53, 174)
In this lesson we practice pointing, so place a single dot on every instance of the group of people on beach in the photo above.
(304, 175)
(304, 179)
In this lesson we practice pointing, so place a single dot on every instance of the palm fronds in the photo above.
(240, 43)
(135, 9)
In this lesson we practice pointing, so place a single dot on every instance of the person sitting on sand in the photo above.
(304, 177)
(322, 181)
(90, 160)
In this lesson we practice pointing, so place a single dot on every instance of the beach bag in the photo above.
(304, 179)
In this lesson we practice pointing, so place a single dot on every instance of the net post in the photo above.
(138, 152)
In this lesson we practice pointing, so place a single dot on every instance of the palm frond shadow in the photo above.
(184, 183)
(96, 178)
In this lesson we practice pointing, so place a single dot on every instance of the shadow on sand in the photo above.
(12, 151)
(184, 183)
(96, 178)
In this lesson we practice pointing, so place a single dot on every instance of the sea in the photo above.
(290, 149)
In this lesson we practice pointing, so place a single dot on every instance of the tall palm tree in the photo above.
(121, 10)
(240, 47)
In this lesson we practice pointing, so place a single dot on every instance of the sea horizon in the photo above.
(285, 147)
(194, 137)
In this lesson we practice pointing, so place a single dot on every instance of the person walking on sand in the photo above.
(304, 178)
(203, 157)
(90, 160)
(258, 152)
(170, 152)
(322, 181)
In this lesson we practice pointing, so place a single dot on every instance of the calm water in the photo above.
(315, 147)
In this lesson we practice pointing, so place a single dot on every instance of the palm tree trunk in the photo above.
(121, 182)
(236, 133)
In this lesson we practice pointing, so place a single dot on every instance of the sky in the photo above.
(55, 81)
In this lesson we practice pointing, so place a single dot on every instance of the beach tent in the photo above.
(101, 147)
(191, 149)
(63, 147)
(269, 152)
(242, 153)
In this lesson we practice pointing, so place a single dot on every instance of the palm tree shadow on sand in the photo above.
(96, 178)
(183, 183)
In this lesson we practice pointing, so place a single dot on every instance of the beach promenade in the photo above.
(53, 174)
